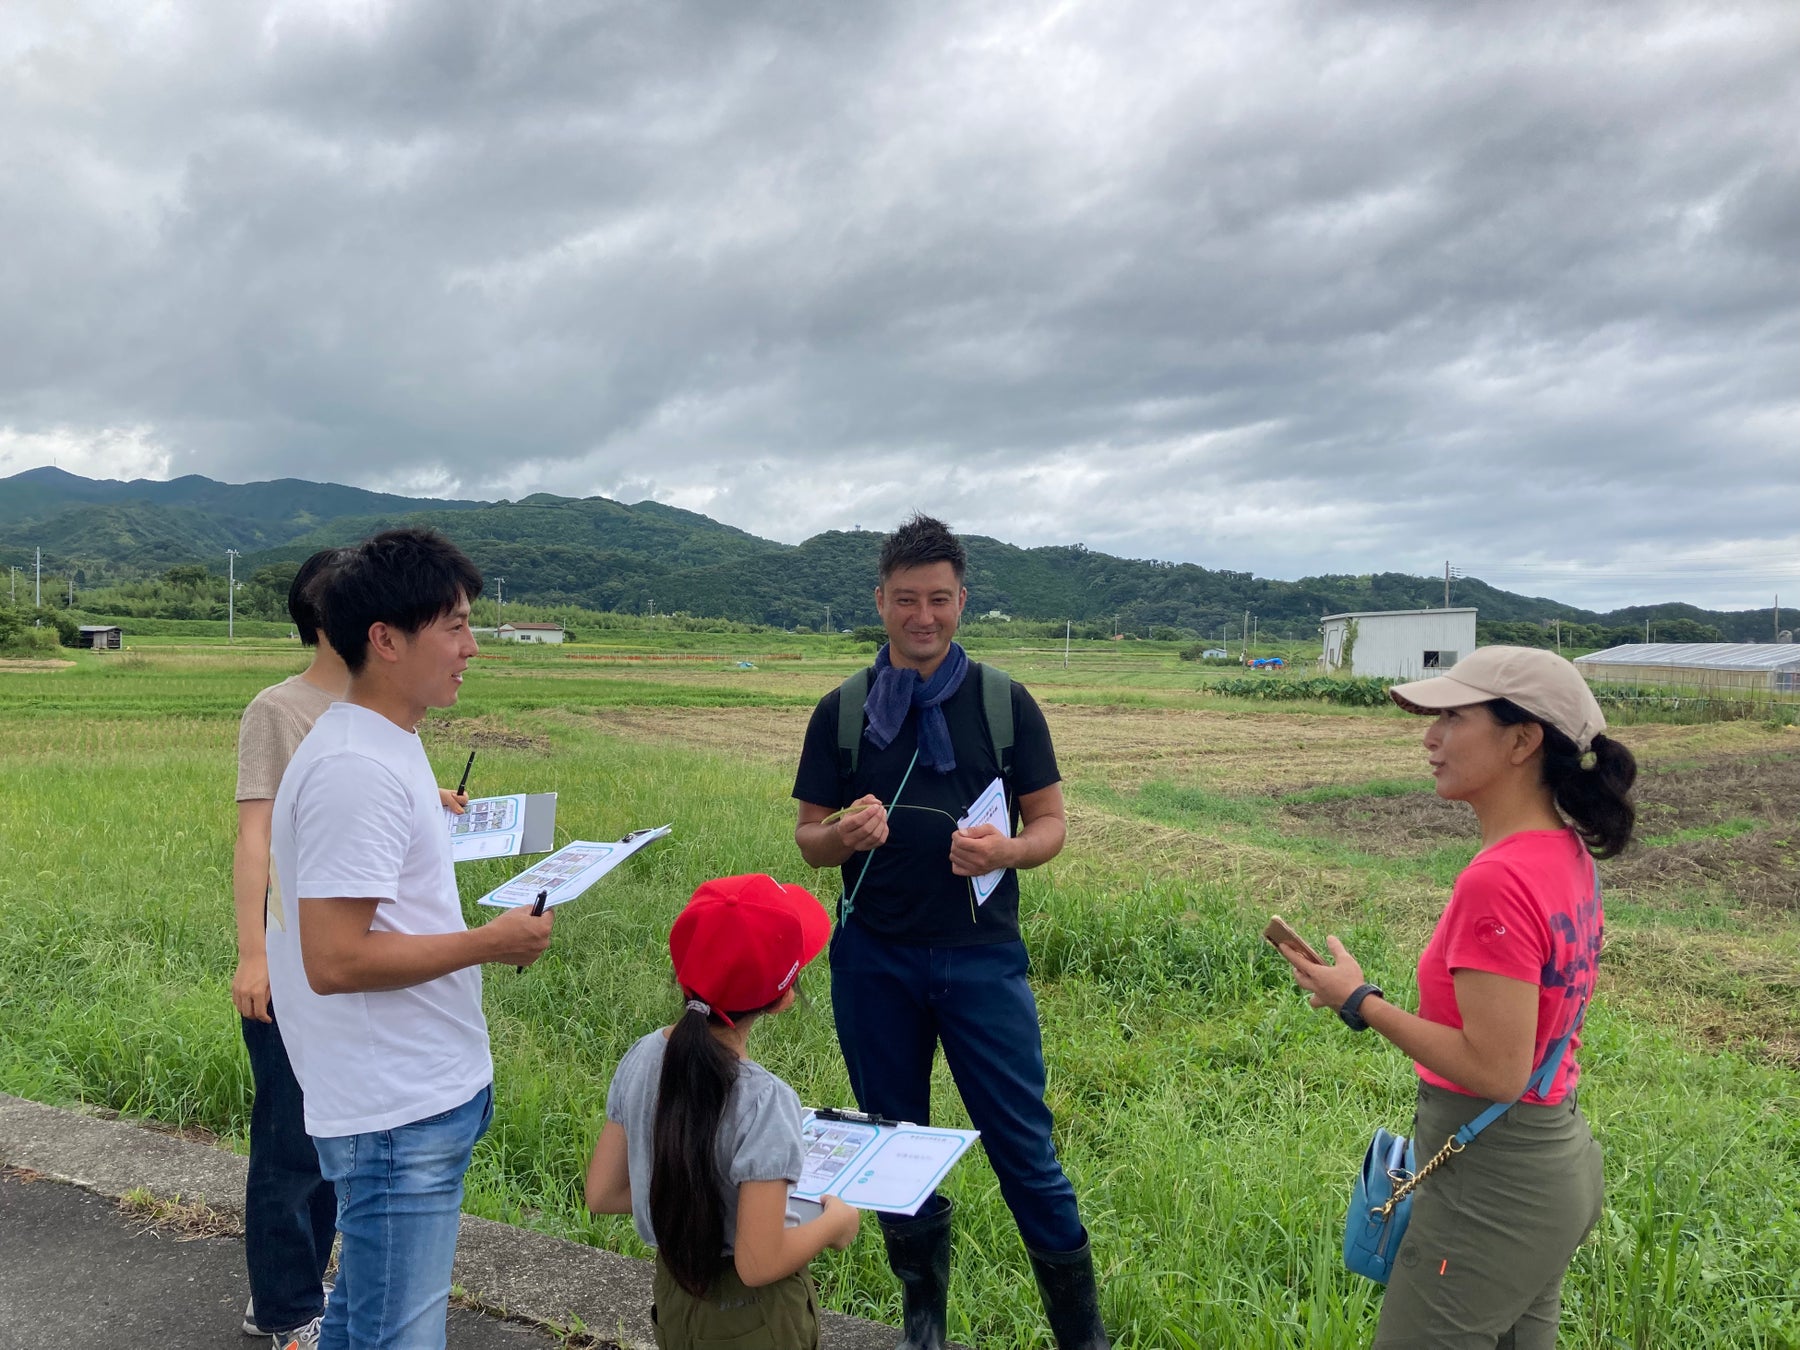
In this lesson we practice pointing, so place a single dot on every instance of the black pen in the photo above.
(855, 1117)
(465, 778)
(537, 906)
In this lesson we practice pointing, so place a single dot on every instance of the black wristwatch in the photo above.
(1348, 1012)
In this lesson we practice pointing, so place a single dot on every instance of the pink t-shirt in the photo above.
(1527, 908)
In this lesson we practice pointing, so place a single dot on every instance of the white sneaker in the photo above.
(252, 1328)
(301, 1338)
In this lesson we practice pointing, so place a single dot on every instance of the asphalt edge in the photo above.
(527, 1276)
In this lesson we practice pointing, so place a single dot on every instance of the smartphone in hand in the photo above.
(1280, 933)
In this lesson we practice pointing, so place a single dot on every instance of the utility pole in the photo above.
(499, 599)
(1559, 637)
(1446, 583)
(1068, 628)
(828, 618)
(38, 594)
(1244, 652)
(1646, 628)
(231, 557)
(1778, 618)
(14, 599)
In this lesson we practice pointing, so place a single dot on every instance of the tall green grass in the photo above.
(1209, 1119)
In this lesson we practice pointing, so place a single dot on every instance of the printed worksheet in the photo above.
(490, 827)
(989, 809)
(893, 1168)
(569, 871)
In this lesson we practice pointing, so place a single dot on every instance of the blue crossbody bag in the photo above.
(1381, 1197)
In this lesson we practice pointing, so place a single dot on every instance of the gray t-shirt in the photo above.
(758, 1139)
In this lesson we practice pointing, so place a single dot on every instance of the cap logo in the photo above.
(788, 978)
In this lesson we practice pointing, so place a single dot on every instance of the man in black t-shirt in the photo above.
(917, 959)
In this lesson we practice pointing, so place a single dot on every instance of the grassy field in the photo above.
(1210, 1121)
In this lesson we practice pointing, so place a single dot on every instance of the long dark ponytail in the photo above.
(1595, 798)
(687, 1206)
(687, 1212)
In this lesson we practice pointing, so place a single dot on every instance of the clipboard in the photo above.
(503, 827)
(870, 1163)
(569, 871)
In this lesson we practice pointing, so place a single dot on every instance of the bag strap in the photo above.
(852, 694)
(1541, 1078)
(1545, 1073)
(996, 704)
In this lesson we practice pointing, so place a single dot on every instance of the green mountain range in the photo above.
(600, 554)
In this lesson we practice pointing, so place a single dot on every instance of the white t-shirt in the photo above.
(357, 816)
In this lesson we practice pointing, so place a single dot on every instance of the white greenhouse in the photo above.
(1752, 666)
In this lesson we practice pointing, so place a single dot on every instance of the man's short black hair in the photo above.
(920, 542)
(405, 578)
(303, 594)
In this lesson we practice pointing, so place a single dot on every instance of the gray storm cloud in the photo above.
(1280, 287)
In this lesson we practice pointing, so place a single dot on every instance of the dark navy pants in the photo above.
(895, 1004)
(290, 1210)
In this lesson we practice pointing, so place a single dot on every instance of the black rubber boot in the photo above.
(919, 1253)
(1066, 1282)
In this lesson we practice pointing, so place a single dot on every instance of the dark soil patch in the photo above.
(1735, 788)
(483, 733)
(1760, 867)
(1389, 826)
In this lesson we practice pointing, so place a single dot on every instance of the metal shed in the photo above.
(1760, 666)
(1398, 644)
(102, 637)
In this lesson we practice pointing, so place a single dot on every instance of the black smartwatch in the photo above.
(1348, 1012)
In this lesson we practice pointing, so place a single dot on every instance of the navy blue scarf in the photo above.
(897, 690)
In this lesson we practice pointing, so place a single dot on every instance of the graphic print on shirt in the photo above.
(1575, 954)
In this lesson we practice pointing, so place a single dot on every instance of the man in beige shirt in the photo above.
(290, 1210)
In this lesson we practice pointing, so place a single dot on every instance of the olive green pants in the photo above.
(1493, 1230)
(733, 1316)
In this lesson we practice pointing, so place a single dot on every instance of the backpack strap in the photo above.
(996, 708)
(852, 694)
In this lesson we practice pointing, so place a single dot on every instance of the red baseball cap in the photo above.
(739, 942)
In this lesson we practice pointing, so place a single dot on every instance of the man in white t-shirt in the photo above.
(374, 970)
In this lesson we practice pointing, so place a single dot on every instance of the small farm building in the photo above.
(530, 632)
(101, 637)
(1754, 666)
(1397, 644)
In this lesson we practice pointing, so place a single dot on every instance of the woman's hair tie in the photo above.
(699, 1006)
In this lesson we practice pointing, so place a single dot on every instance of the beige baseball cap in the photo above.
(1542, 683)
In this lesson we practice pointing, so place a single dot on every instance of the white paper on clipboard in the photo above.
(569, 871)
(893, 1168)
(989, 809)
(489, 827)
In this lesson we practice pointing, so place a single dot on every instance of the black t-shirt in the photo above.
(910, 895)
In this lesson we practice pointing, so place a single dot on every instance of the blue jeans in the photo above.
(895, 1004)
(399, 1202)
(290, 1210)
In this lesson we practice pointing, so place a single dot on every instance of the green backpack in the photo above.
(996, 708)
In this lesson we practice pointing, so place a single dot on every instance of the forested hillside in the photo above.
(155, 549)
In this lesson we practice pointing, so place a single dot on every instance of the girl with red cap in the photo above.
(702, 1145)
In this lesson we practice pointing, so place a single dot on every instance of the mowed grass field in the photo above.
(1209, 1119)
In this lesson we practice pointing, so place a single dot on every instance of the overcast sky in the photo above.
(1280, 287)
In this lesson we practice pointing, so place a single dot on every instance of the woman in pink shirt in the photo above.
(1507, 972)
